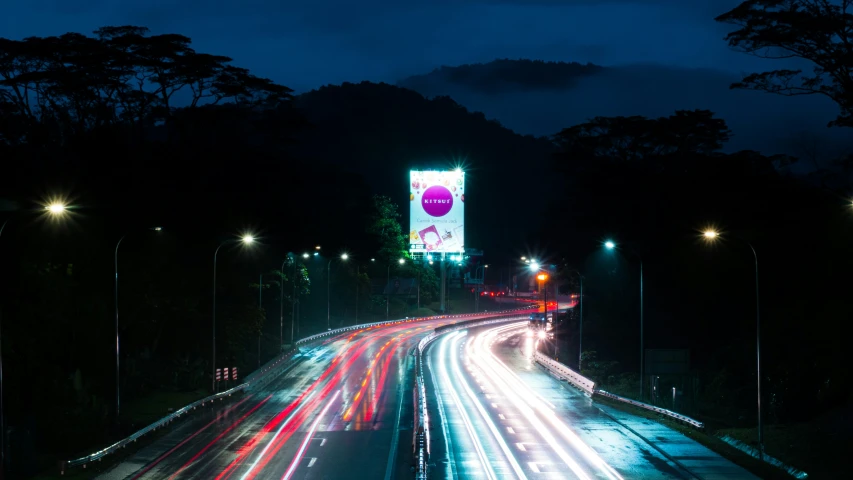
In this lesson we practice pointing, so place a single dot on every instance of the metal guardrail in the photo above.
(83, 461)
(420, 435)
(255, 378)
(588, 386)
(646, 406)
(562, 371)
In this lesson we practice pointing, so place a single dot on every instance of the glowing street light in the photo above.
(534, 266)
(317, 247)
(245, 239)
(305, 255)
(542, 277)
(712, 236)
(56, 208)
(610, 245)
(387, 282)
(344, 256)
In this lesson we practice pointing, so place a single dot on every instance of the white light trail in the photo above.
(310, 434)
(494, 429)
(458, 402)
(277, 433)
(528, 403)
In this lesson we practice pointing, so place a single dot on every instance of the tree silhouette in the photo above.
(819, 31)
(71, 84)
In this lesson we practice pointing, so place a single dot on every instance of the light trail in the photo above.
(486, 418)
(534, 409)
(308, 438)
(484, 461)
(277, 433)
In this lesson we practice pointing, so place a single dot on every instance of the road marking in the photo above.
(534, 467)
(311, 462)
(521, 447)
(501, 416)
(395, 437)
(322, 440)
(510, 430)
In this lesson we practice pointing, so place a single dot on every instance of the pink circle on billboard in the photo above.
(437, 201)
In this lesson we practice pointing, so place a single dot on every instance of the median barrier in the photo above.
(588, 386)
(256, 378)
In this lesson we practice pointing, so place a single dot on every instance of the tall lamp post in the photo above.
(281, 303)
(711, 236)
(580, 331)
(55, 209)
(344, 257)
(387, 281)
(115, 300)
(610, 245)
(246, 240)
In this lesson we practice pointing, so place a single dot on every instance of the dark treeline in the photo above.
(137, 131)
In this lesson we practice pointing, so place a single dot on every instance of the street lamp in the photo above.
(580, 331)
(344, 256)
(55, 209)
(388, 281)
(543, 277)
(712, 236)
(245, 240)
(610, 245)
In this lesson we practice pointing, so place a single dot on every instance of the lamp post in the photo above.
(388, 281)
(711, 236)
(580, 332)
(260, 307)
(610, 245)
(246, 240)
(478, 277)
(344, 256)
(281, 303)
(115, 300)
(54, 209)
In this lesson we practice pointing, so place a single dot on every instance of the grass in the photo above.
(819, 447)
(135, 415)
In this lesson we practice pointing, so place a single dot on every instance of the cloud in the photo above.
(330, 41)
(759, 121)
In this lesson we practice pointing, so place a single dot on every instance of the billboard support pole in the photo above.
(443, 268)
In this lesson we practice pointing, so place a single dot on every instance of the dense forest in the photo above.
(136, 131)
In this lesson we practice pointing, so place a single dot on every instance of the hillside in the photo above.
(382, 131)
(505, 75)
(544, 97)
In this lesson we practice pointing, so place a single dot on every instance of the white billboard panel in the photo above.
(437, 211)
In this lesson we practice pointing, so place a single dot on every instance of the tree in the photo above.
(385, 226)
(819, 31)
(72, 84)
(636, 138)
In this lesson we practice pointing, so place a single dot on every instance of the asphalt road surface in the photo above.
(342, 409)
(498, 415)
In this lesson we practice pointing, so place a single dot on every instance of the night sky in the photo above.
(306, 44)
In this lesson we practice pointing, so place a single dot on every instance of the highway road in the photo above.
(341, 409)
(498, 415)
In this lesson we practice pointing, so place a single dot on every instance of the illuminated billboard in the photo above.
(437, 211)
